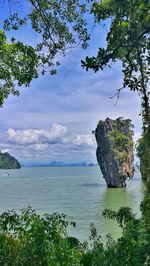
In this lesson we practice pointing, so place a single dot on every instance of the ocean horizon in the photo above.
(79, 192)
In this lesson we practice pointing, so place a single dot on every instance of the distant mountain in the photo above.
(57, 164)
(8, 162)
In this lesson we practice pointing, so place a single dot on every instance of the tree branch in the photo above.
(147, 30)
(117, 94)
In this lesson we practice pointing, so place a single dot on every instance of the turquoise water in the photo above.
(79, 192)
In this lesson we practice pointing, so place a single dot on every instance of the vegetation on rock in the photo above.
(127, 41)
(120, 141)
(30, 239)
(8, 162)
(62, 25)
(115, 150)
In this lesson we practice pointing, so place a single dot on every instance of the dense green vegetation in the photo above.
(31, 239)
(120, 140)
(143, 152)
(63, 25)
(127, 41)
(18, 66)
(8, 162)
(119, 144)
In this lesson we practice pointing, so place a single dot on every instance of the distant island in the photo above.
(8, 162)
(57, 164)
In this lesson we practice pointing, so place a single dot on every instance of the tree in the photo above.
(143, 152)
(18, 66)
(128, 40)
(61, 26)
(32, 239)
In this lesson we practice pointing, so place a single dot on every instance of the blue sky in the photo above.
(54, 118)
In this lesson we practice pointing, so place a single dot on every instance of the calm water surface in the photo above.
(79, 192)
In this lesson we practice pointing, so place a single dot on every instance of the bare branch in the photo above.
(117, 95)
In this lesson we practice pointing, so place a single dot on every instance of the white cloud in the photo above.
(39, 147)
(27, 136)
(58, 143)
(5, 150)
(57, 134)
(40, 139)
(84, 140)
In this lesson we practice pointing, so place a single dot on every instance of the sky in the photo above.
(53, 119)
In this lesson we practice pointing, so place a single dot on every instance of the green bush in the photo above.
(132, 248)
(30, 239)
(143, 152)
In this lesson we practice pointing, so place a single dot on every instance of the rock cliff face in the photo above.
(8, 162)
(115, 150)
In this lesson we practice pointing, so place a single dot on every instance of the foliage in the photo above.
(18, 66)
(120, 138)
(143, 152)
(8, 162)
(31, 239)
(132, 248)
(119, 143)
(60, 25)
(127, 41)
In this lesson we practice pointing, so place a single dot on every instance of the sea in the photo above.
(79, 192)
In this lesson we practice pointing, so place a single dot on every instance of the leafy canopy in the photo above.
(128, 40)
(31, 239)
(120, 144)
(60, 25)
(18, 66)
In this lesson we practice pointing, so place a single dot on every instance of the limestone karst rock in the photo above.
(115, 150)
(8, 162)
